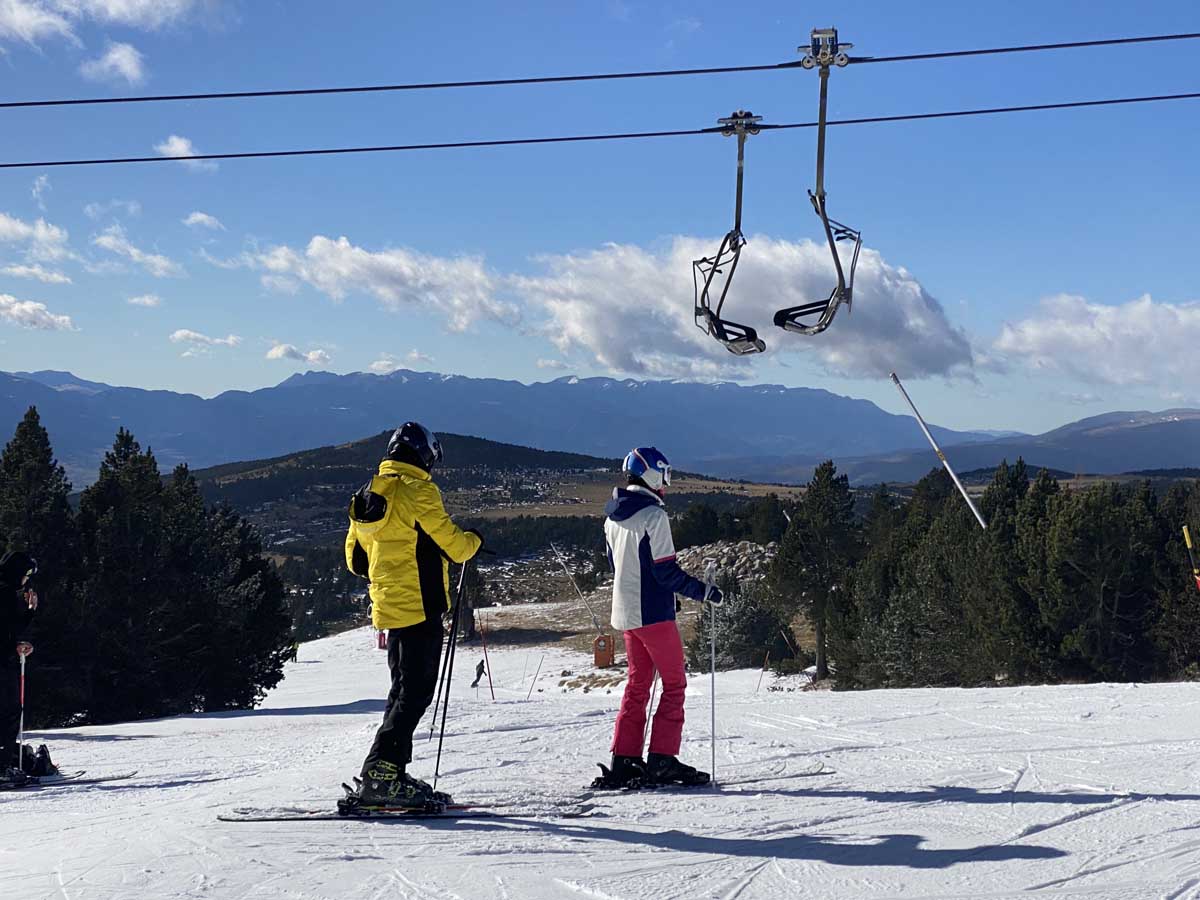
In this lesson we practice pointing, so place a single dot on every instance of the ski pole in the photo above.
(454, 622)
(940, 455)
(766, 659)
(710, 579)
(449, 644)
(650, 709)
(21, 725)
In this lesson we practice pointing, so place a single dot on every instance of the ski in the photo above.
(452, 812)
(71, 780)
(817, 769)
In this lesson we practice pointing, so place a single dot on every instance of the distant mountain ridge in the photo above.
(704, 427)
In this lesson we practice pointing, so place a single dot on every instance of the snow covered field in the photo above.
(1086, 791)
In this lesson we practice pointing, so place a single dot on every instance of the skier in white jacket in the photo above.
(642, 554)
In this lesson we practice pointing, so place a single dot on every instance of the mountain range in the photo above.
(758, 432)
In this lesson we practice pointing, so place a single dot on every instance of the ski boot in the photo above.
(627, 773)
(387, 786)
(38, 764)
(663, 769)
(12, 777)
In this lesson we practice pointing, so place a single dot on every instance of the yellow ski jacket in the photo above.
(401, 538)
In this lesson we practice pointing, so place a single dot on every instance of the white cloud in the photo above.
(198, 343)
(556, 364)
(385, 364)
(43, 241)
(128, 207)
(47, 276)
(144, 14)
(41, 187)
(462, 288)
(29, 314)
(32, 21)
(415, 357)
(290, 351)
(114, 239)
(176, 146)
(120, 62)
(1141, 342)
(148, 300)
(631, 311)
(203, 220)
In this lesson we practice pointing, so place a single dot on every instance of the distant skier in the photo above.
(642, 553)
(401, 538)
(480, 671)
(18, 601)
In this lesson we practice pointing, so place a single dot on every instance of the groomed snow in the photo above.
(1078, 791)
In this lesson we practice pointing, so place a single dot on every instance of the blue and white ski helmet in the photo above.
(650, 465)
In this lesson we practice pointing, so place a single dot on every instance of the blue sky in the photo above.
(1019, 272)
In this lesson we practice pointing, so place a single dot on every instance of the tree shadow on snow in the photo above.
(354, 707)
(54, 738)
(903, 850)
(938, 794)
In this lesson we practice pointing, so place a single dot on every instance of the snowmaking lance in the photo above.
(1187, 539)
(604, 648)
(942, 456)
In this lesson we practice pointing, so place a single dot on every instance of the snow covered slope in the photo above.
(1086, 791)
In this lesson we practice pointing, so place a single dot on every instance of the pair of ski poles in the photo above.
(448, 668)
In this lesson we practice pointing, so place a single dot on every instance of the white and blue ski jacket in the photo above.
(642, 554)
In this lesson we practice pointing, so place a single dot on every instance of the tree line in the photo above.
(1064, 585)
(152, 603)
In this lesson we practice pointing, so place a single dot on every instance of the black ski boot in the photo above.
(387, 786)
(627, 772)
(12, 777)
(663, 769)
(38, 763)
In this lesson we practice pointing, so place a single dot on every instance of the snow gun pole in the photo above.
(940, 455)
(454, 621)
(21, 725)
(535, 676)
(1187, 539)
(562, 562)
(450, 642)
(487, 663)
(710, 579)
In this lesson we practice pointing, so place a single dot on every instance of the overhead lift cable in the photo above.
(583, 138)
(567, 79)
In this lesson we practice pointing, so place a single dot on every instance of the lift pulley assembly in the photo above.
(824, 51)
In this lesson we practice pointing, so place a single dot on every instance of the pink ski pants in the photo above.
(649, 649)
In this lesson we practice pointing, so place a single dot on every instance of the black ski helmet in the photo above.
(415, 438)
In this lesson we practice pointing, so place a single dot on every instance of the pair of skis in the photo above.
(575, 807)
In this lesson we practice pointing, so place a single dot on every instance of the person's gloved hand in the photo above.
(713, 595)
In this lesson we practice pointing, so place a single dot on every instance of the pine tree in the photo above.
(817, 552)
(120, 518)
(35, 517)
(1099, 587)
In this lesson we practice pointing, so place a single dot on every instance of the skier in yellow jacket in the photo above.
(402, 539)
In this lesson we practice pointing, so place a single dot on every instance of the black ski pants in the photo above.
(10, 707)
(413, 656)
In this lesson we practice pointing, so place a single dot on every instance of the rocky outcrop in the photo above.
(745, 560)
